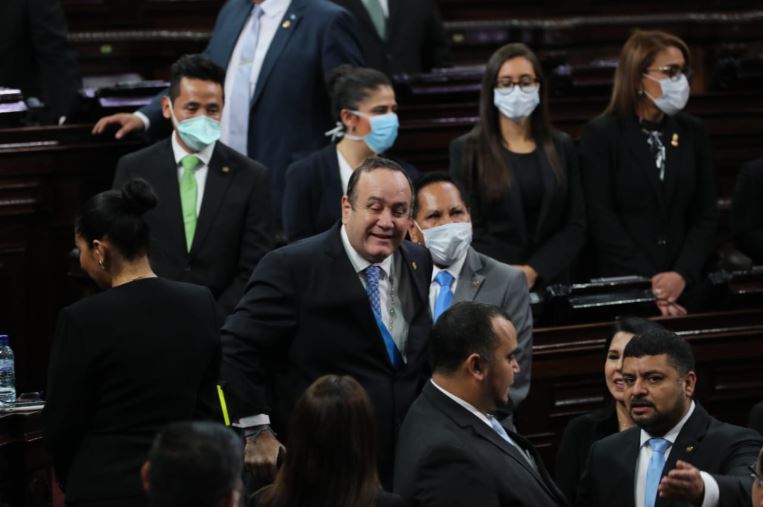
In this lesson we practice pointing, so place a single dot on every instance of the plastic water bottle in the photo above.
(7, 372)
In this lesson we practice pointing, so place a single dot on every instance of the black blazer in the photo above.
(640, 226)
(721, 449)
(313, 193)
(447, 456)
(305, 314)
(415, 41)
(35, 57)
(499, 226)
(233, 230)
(384, 499)
(577, 439)
(126, 362)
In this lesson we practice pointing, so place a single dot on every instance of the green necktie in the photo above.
(377, 16)
(188, 196)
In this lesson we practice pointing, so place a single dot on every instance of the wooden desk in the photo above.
(25, 467)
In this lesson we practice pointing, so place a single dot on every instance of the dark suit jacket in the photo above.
(447, 456)
(577, 439)
(313, 193)
(35, 57)
(233, 230)
(290, 108)
(721, 449)
(384, 499)
(746, 210)
(499, 225)
(639, 225)
(126, 362)
(415, 41)
(306, 314)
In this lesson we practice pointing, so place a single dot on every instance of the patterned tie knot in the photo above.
(444, 278)
(658, 444)
(190, 162)
(258, 11)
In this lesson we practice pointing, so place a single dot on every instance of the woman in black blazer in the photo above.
(647, 174)
(363, 101)
(519, 175)
(582, 431)
(126, 361)
(331, 459)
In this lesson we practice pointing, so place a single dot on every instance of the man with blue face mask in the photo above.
(213, 222)
(442, 223)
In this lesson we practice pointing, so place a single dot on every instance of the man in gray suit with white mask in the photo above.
(442, 223)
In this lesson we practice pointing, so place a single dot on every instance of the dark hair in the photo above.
(349, 86)
(116, 215)
(631, 325)
(331, 460)
(194, 464)
(195, 67)
(372, 164)
(465, 328)
(636, 56)
(483, 164)
(657, 342)
(429, 178)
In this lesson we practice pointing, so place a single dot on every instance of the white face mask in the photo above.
(675, 94)
(447, 242)
(516, 104)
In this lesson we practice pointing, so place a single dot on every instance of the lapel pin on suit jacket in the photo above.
(689, 449)
(675, 139)
(286, 24)
(413, 265)
(475, 282)
(226, 169)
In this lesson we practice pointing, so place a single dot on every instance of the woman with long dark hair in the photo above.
(520, 176)
(613, 417)
(331, 459)
(648, 177)
(125, 362)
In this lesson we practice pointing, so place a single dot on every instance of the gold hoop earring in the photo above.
(100, 263)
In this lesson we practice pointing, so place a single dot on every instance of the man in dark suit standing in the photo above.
(677, 454)
(442, 223)
(349, 301)
(277, 55)
(213, 223)
(452, 450)
(400, 36)
(35, 57)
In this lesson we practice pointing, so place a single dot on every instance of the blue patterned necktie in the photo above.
(372, 290)
(445, 296)
(655, 469)
(241, 91)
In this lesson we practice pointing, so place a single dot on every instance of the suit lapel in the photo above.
(470, 278)
(168, 187)
(675, 150)
(219, 176)
(284, 32)
(243, 9)
(332, 192)
(640, 152)
(393, 9)
(541, 469)
(547, 178)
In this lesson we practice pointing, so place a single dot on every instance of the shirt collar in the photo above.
(466, 405)
(345, 171)
(274, 8)
(672, 433)
(455, 268)
(178, 152)
(358, 262)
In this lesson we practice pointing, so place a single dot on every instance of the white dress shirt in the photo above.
(345, 172)
(711, 497)
(455, 269)
(200, 173)
(273, 12)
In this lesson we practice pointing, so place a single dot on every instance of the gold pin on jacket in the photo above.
(689, 448)
(413, 265)
(675, 139)
(226, 169)
(286, 24)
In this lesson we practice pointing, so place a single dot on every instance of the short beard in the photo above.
(660, 424)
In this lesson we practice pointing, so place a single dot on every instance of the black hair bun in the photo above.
(336, 75)
(138, 196)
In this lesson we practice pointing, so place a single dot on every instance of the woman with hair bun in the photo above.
(363, 103)
(142, 353)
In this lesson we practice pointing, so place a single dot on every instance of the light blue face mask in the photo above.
(384, 131)
(197, 132)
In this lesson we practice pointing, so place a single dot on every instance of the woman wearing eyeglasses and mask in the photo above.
(648, 177)
(363, 101)
(521, 176)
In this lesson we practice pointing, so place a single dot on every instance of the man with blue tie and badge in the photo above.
(349, 301)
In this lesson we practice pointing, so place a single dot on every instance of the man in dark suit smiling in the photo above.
(212, 224)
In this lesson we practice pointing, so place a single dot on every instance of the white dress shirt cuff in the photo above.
(254, 420)
(711, 496)
(144, 119)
